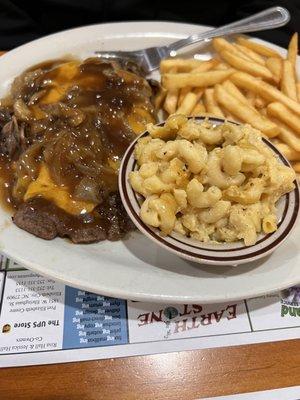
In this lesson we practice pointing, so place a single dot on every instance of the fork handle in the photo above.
(271, 18)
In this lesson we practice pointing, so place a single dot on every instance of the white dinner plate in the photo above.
(134, 268)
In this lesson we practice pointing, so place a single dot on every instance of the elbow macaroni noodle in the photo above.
(211, 183)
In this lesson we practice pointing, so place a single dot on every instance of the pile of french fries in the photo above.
(245, 82)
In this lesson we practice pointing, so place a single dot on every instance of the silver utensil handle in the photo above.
(271, 18)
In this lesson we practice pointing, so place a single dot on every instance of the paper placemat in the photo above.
(43, 321)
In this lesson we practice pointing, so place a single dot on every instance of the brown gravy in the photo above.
(77, 119)
(6, 180)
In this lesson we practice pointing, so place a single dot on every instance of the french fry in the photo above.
(211, 104)
(249, 66)
(159, 98)
(250, 84)
(265, 90)
(181, 64)
(189, 101)
(206, 65)
(275, 66)
(231, 117)
(171, 98)
(276, 140)
(199, 92)
(182, 93)
(288, 152)
(288, 81)
(199, 109)
(228, 115)
(199, 79)
(287, 135)
(251, 54)
(258, 48)
(298, 90)
(222, 66)
(293, 50)
(185, 91)
(235, 91)
(187, 104)
(281, 112)
(245, 113)
(259, 102)
(263, 111)
(171, 101)
(251, 96)
(220, 44)
(296, 166)
(249, 99)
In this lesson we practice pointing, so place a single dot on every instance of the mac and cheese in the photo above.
(211, 183)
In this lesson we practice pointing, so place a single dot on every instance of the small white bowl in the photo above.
(208, 253)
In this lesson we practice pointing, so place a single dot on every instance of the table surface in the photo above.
(183, 375)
